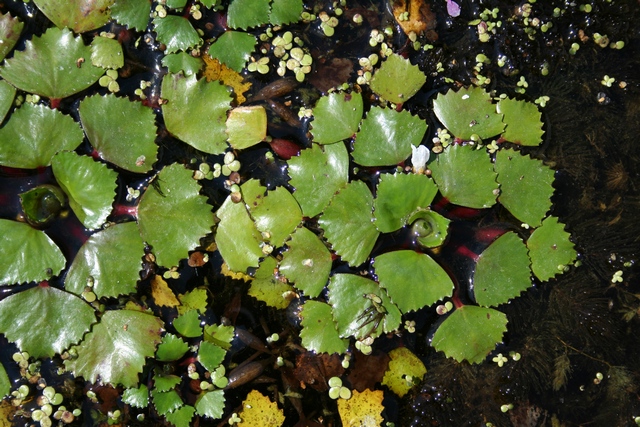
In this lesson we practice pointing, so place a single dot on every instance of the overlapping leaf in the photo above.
(267, 288)
(7, 95)
(132, 13)
(171, 348)
(285, 11)
(336, 117)
(523, 119)
(233, 48)
(246, 14)
(10, 29)
(176, 32)
(307, 262)
(210, 404)
(182, 62)
(319, 331)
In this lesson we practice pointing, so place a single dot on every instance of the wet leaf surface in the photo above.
(267, 287)
(397, 79)
(188, 324)
(336, 117)
(182, 62)
(79, 15)
(106, 53)
(177, 33)
(285, 11)
(524, 121)
(182, 416)
(171, 348)
(162, 294)
(132, 13)
(233, 48)
(246, 126)
(550, 249)
(7, 95)
(211, 404)
(248, 13)
(319, 331)
(10, 29)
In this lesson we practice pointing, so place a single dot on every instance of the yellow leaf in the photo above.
(238, 276)
(362, 409)
(162, 294)
(214, 70)
(405, 370)
(258, 410)
(415, 16)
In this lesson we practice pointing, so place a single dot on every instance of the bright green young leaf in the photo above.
(413, 280)
(136, 397)
(164, 382)
(115, 350)
(210, 404)
(247, 126)
(10, 29)
(106, 53)
(123, 132)
(319, 331)
(175, 216)
(502, 271)
(90, 186)
(44, 321)
(267, 288)
(285, 11)
(550, 249)
(336, 117)
(524, 121)
(386, 136)
(188, 324)
(79, 15)
(110, 261)
(398, 196)
(397, 80)
(306, 263)
(246, 14)
(182, 416)
(171, 348)
(329, 165)
(348, 223)
(132, 13)
(166, 402)
(34, 134)
(196, 111)
(195, 299)
(5, 383)
(7, 95)
(182, 62)
(27, 254)
(176, 32)
(470, 333)
(210, 355)
(429, 228)
(219, 335)
(468, 112)
(465, 176)
(233, 49)
(276, 215)
(403, 364)
(525, 186)
(48, 65)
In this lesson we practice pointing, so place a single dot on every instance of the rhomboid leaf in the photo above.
(166, 402)
(182, 62)
(246, 14)
(336, 117)
(259, 410)
(550, 249)
(171, 348)
(267, 287)
(362, 408)
(233, 49)
(137, 397)
(165, 382)
(247, 126)
(210, 355)
(79, 15)
(7, 95)
(176, 32)
(397, 79)
(182, 416)
(106, 53)
(10, 29)
(285, 11)
(319, 331)
(523, 119)
(132, 13)
(403, 364)
(210, 404)
(188, 324)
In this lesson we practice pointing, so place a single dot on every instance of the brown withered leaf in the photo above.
(214, 70)
(196, 259)
(314, 370)
(162, 295)
(421, 19)
(367, 371)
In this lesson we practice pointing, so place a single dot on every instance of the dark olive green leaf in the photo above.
(470, 333)
(90, 186)
(171, 348)
(106, 53)
(188, 324)
(412, 280)
(122, 131)
(163, 382)
(348, 223)
(210, 404)
(42, 204)
(397, 80)
(336, 117)
(307, 262)
(136, 397)
(196, 111)
(48, 66)
(79, 15)
(247, 13)
(550, 249)
(44, 321)
(34, 134)
(525, 186)
(182, 416)
(267, 287)
(233, 49)
(468, 112)
(5, 382)
(210, 355)
(328, 165)
(173, 219)
(429, 228)
(319, 331)
(176, 32)
(524, 121)
(465, 176)
(109, 260)
(166, 402)
(502, 271)
(398, 196)
(247, 126)
(182, 62)
(27, 254)
(276, 215)
(10, 29)
(285, 11)
(7, 95)
(386, 136)
(132, 13)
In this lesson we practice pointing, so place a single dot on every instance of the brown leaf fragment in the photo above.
(421, 20)
(367, 371)
(314, 370)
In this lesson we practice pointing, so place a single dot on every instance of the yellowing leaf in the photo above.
(193, 300)
(362, 409)
(258, 410)
(405, 370)
(214, 70)
(238, 276)
(420, 18)
(162, 294)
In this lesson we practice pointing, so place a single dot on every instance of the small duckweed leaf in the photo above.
(7, 95)
(48, 65)
(319, 331)
(550, 249)
(106, 53)
(327, 164)
(173, 219)
(465, 176)
(191, 104)
(247, 126)
(413, 280)
(164, 382)
(398, 196)
(468, 112)
(429, 228)
(210, 404)
(353, 240)
(27, 254)
(525, 186)
(188, 324)
(247, 13)
(166, 402)
(336, 117)
(214, 70)
(210, 355)
(404, 371)
(276, 215)
(307, 262)
(114, 351)
(136, 397)
(502, 271)
(285, 11)
(362, 409)
(34, 133)
(132, 13)
(182, 416)
(44, 321)
(470, 333)
(110, 260)
(10, 29)
(79, 15)
(182, 62)
(386, 136)
(219, 335)
(233, 49)
(258, 410)
(195, 299)
(5, 382)
(162, 294)
(397, 79)
(171, 348)
(524, 121)
(176, 32)
(90, 186)
(267, 288)
(355, 311)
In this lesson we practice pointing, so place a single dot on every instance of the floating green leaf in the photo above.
(468, 112)
(48, 65)
(176, 32)
(42, 204)
(10, 29)
(132, 13)
(354, 239)
(182, 416)
(44, 321)
(79, 15)
(27, 254)
(90, 186)
(276, 215)
(106, 53)
(465, 176)
(210, 355)
(550, 249)
(210, 404)
(173, 218)
(403, 365)
(7, 95)
(166, 402)
(136, 397)
(34, 134)
(523, 119)
(188, 324)
(182, 62)
(266, 287)
(233, 49)
(219, 335)
(176, 4)
(327, 164)
(429, 228)
(319, 331)
(247, 126)
(237, 237)
(195, 299)
(164, 382)
(307, 262)
(397, 80)
(470, 333)
(247, 13)
(336, 117)
(285, 11)
(171, 348)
